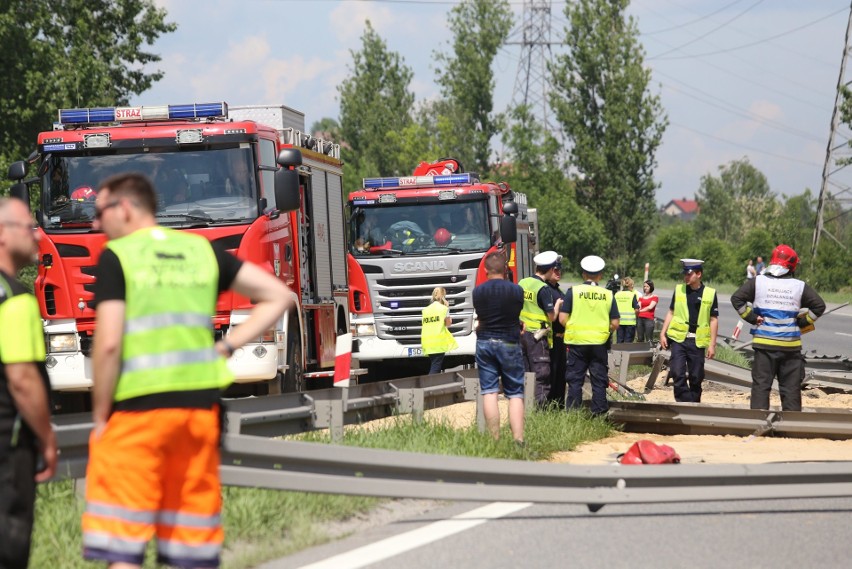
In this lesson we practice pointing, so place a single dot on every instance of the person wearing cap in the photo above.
(589, 315)
(540, 309)
(689, 330)
(782, 306)
(627, 301)
(558, 355)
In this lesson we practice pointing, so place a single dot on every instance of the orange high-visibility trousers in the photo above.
(155, 473)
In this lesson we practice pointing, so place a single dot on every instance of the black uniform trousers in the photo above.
(788, 367)
(583, 357)
(686, 355)
(558, 359)
(17, 503)
(537, 361)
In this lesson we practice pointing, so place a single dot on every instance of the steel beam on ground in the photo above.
(703, 419)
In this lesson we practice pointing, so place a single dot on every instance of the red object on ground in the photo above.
(649, 452)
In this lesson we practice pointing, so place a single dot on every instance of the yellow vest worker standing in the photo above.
(628, 309)
(154, 450)
(589, 315)
(541, 306)
(25, 430)
(689, 330)
(782, 306)
(435, 339)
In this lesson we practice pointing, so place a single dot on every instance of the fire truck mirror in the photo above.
(20, 191)
(289, 157)
(508, 229)
(287, 190)
(17, 170)
(510, 207)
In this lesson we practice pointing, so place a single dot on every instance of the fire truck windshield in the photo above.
(207, 186)
(420, 229)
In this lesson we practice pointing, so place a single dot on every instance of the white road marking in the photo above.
(397, 544)
(843, 334)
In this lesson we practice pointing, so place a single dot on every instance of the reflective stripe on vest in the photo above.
(778, 301)
(590, 315)
(171, 280)
(624, 301)
(679, 326)
(434, 336)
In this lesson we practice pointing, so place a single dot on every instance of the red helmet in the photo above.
(442, 237)
(785, 256)
(83, 194)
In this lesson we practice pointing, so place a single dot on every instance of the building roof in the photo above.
(684, 205)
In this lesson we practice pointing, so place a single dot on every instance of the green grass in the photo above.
(731, 356)
(266, 524)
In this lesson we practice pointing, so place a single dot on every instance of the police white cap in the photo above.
(547, 259)
(592, 264)
(692, 265)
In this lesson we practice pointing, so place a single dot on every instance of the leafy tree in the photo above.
(375, 101)
(615, 125)
(671, 244)
(533, 168)
(735, 201)
(67, 53)
(480, 28)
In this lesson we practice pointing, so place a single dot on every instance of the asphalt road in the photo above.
(793, 533)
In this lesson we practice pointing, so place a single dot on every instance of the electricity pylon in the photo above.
(838, 155)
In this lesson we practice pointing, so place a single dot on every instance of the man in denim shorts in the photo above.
(498, 304)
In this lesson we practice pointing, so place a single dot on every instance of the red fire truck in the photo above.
(409, 235)
(249, 178)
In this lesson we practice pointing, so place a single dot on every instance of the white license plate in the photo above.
(415, 352)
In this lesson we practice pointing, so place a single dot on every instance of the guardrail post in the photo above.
(470, 386)
(338, 410)
(623, 366)
(411, 400)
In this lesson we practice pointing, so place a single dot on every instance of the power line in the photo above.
(752, 44)
(691, 22)
(717, 28)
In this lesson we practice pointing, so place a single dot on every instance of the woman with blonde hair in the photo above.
(435, 339)
(628, 307)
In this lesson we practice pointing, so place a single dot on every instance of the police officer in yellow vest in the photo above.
(628, 306)
(689, 330)
(158, 376)
(435, 339)
(589, 315)
(541, 307)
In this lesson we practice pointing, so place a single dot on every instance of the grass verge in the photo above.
(732, 356)
(264, 524)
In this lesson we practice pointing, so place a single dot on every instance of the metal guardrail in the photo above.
(368, 472)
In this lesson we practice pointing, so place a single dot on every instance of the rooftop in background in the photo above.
(684, 209)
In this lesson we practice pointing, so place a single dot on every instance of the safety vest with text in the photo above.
(533, 317)
(434, 336)
(679, 326)
(624, 301)
(778, 301)
(171, 279)
(589, 323)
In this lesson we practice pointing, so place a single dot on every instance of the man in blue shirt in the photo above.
(498, 305)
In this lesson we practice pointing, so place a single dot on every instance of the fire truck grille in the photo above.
(398, 303)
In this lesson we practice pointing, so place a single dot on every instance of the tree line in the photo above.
(592, 183)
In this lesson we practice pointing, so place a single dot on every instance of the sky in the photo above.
(736, 78)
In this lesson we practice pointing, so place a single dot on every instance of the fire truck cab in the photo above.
(247, 178)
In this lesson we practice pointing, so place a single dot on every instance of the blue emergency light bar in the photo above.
(417, 181)
(147, 113)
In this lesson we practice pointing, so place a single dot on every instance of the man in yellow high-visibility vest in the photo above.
(689, 330)
(541, 307)
(589, 315)
(158, 374)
